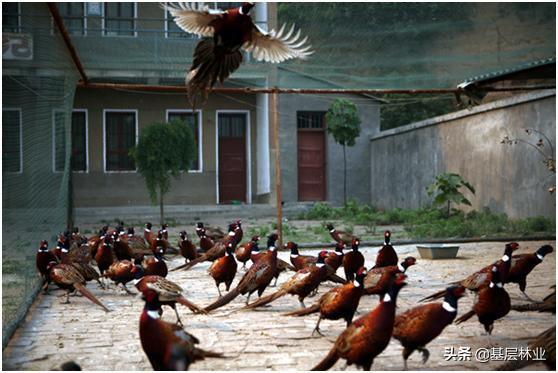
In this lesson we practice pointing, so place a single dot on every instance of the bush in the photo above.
(431, 222)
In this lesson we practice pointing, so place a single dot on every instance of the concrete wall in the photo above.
(509, 179)
(97, 188)
(358, 172)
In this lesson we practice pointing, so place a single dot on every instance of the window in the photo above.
(74, 17)
(310, 119)
(10, 17)
(120, 135)
(58, 140)
(79, 141)
(193, 120)
(232, 125)
(12, 134)
(120, 19)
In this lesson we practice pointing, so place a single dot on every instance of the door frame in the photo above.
(248, 153)
(326, 168)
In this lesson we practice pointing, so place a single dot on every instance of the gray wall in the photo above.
(509, 179)
(358, 173)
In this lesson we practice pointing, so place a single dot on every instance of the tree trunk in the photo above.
(448, 213)
(162, 217)
(344, 176)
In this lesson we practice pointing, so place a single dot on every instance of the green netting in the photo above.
(37, 99)
(357, 45)
(418, 45)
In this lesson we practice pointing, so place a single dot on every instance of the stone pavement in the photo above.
(263, 339)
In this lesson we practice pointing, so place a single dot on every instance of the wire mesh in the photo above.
(357, 45)
(37, 96)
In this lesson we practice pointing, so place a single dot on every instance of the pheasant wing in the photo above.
(193, 18)
(373, 277)
(166, 289)
(412, 320)
(276, 46)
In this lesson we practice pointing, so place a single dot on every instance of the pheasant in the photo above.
(338, 303)
(225, 34)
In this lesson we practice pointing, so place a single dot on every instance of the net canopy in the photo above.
(356, 45)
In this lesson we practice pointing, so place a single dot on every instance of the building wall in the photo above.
(508, 179)
(358, 173)
(97, 188)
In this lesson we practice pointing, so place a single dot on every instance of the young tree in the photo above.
(343, 124)
(447, 188)
(163, 150)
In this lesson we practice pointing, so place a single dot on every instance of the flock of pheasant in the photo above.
(123, 257)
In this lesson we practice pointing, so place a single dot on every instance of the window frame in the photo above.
(52, 30)
(19, 110)
(103, 23)
(54, 112)
(86, 171)
(18, 28)
(302, 112)
(105, 112)
(200, 133)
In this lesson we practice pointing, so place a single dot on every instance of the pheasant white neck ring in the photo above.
(540, 257)
(387, 298)
(400, 267)
(499, 284)
(153, 314)
(448, 307)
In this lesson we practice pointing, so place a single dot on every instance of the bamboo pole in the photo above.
(247, 90)
(276, 144)
(53, 8)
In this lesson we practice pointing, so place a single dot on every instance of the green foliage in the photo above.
(161, 153)
(480, 224)
(428, 223)
(447, 187)
(343, 122)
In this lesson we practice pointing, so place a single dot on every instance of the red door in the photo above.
(232, 157)
(311, 156)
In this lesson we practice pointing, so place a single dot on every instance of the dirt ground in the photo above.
(263, 339)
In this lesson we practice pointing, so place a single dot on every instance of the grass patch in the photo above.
(431, 222)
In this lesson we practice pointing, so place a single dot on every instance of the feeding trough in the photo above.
(437, 251)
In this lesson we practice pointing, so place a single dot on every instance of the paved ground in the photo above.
(263, 339)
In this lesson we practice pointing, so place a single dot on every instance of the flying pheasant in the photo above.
(225, 34)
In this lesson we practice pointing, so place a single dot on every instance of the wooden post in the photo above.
(275, 108)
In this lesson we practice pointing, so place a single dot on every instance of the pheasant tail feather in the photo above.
(267, 299)
(304, 311)
(465, 317)
(328, 361)
(90, 296)
(227, 298)
(194, 308)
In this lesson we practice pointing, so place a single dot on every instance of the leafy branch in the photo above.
(447, 187)
(543, 146)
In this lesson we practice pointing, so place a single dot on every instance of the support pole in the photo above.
(53, 7)
(275, 106)
(247, 90)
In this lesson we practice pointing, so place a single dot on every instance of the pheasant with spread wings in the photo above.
(225, 34)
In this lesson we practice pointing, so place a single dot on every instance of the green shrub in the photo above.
(427, 223)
